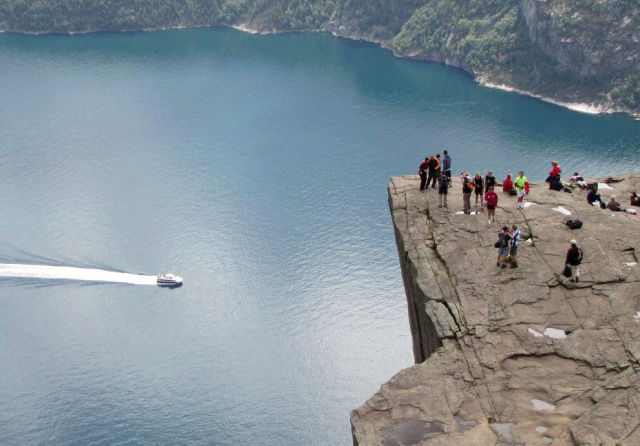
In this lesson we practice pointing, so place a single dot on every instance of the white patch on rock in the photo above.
(541, 429)
(562, 210)
(528, 203)
(503, 429)
(630, 264)
(604, 186)
(540, 405)
(555, 333)
(637, 316)
(547, 440)
(537, 334)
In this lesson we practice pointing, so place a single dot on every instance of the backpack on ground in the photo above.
(574, 224)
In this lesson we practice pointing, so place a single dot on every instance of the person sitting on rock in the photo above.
(594, 197)
(579, 180)
(635, 199)
(613, 205)
(573, 260)
(554, 172)
(556, 184)
(507, 185)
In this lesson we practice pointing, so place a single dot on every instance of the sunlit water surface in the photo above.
(255, 167)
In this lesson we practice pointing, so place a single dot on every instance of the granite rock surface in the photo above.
(513, 356)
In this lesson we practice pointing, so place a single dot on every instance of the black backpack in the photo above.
(574, 224)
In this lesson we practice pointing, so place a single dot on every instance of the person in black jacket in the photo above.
(446, 165)
(443, 189)
(593, 197)
(467, 188)
(573, 260)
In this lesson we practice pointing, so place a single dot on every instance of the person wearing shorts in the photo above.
(491, 198)
(503, 246)
(520, 183)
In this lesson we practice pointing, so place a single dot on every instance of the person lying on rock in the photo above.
(579, 180)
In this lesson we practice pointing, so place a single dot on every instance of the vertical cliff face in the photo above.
(514, 355)
(586, 38)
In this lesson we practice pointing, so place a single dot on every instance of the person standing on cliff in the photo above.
(573, 260)
(466, 192)
(520, 182)
(443, 189)
(491, 198)
(434, 168)
(446, 165)
(422, 171)
(515, 242)
(489, 180)
(478, 188)
(503, 246)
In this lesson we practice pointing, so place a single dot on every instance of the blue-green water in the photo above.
(256, 167)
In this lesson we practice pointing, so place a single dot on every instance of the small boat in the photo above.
(169, 280)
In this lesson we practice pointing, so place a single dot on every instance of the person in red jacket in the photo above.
(554, 173)
(507, 185)
(491, 198)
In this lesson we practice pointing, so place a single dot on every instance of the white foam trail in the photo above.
(73, 273)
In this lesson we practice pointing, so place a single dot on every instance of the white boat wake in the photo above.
(73, 273)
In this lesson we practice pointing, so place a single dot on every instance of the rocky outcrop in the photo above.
(521, 355)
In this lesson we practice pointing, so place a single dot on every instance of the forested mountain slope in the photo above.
(568, 50)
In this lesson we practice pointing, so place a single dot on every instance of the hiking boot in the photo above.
(497, 263)
(514, 264)
(504, 265)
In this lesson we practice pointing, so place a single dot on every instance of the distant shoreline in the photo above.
(581, 107)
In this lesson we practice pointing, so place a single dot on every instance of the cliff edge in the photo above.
(516, 355)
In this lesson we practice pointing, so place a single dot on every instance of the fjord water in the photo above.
(255, 167)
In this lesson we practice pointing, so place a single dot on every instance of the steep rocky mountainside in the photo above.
(570, 50)
(513, 356)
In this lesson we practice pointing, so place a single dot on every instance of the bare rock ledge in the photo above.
(514, 356)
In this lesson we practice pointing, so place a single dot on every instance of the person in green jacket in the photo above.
(520, 183)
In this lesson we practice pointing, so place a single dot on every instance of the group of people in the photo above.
(431, 169)
(507, 244)
(435, 170)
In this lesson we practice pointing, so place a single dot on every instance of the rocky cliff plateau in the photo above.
(521, 355)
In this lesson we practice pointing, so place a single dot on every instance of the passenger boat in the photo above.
(169, 280)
